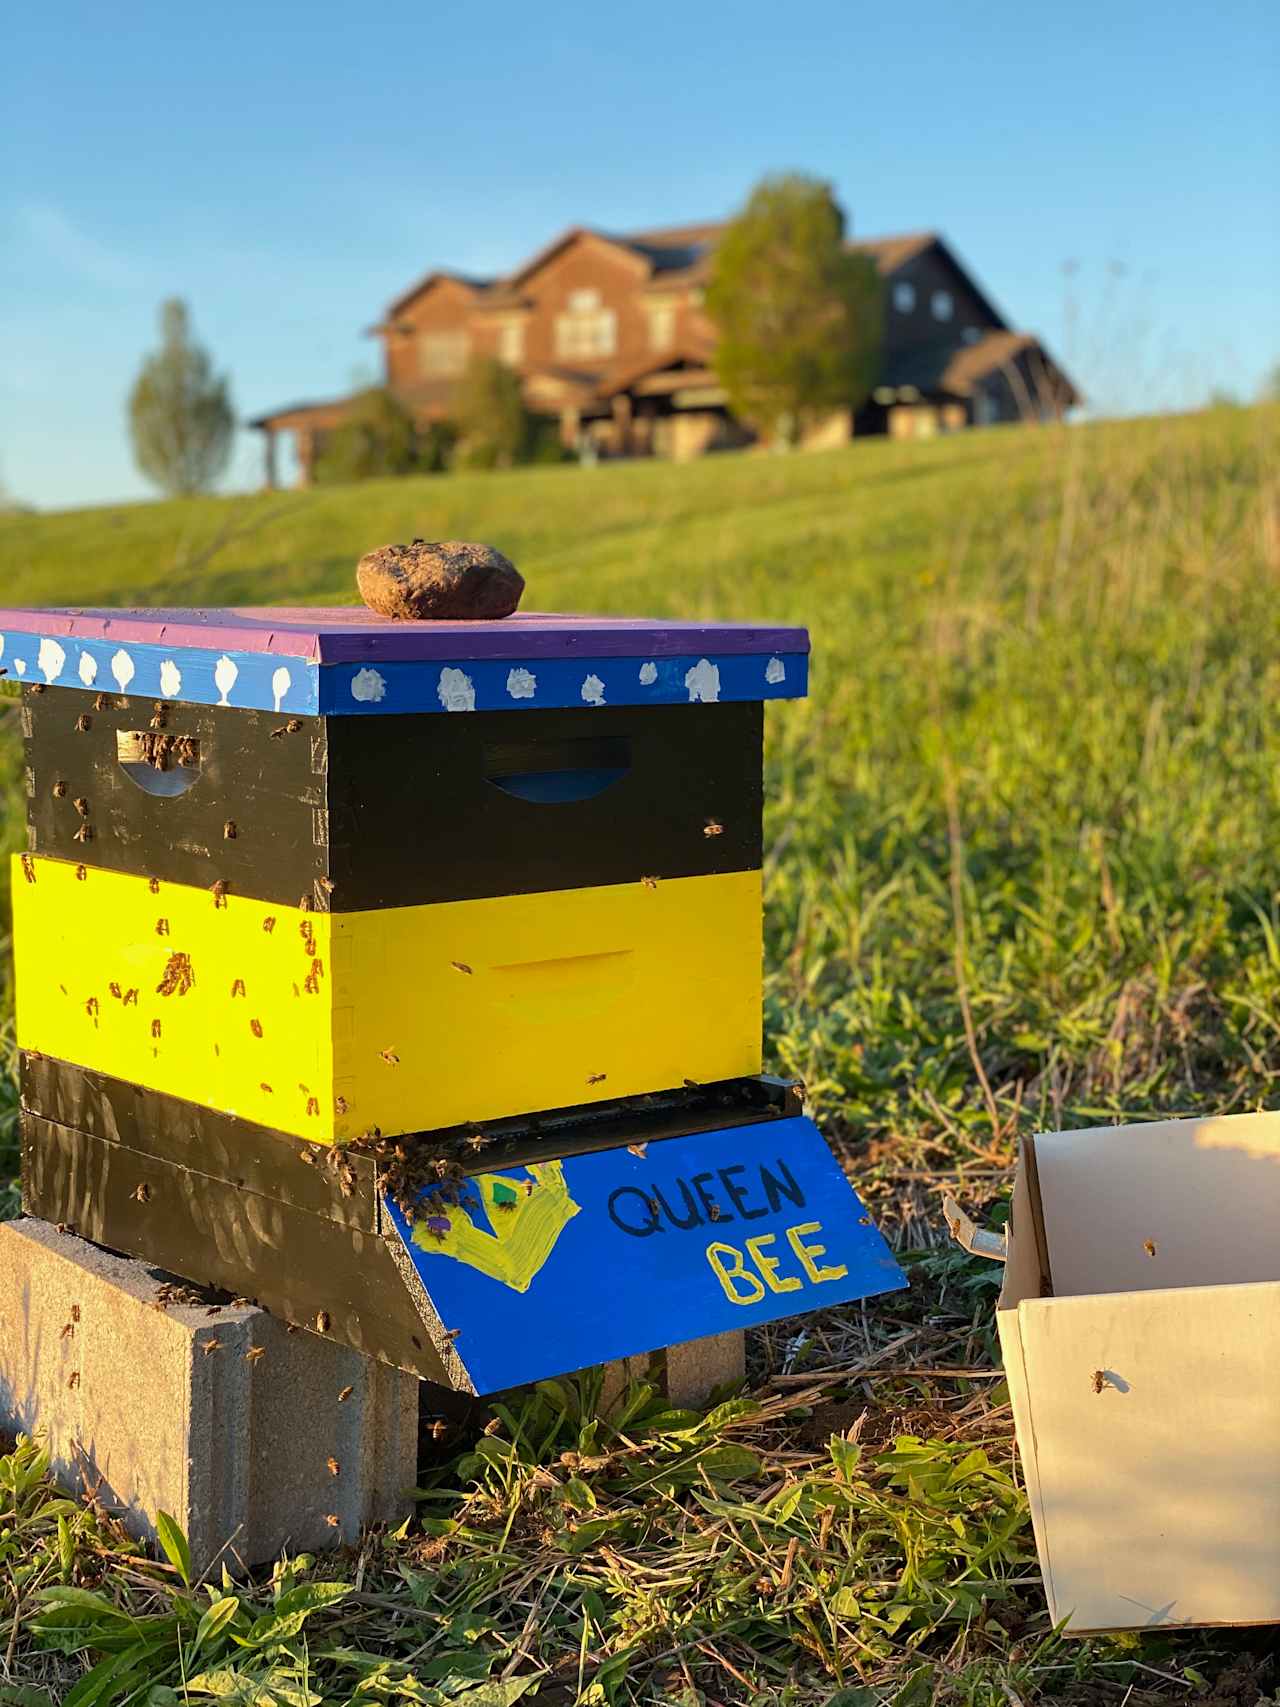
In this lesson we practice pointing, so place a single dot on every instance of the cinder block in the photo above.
(251, 1436)
(687, 1374)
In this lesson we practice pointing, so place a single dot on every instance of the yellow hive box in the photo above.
(327, 1025)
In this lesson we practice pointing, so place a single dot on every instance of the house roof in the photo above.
(944, 367)
(315, 406)
(470, 280)
(671, 253)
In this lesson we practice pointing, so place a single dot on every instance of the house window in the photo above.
(511, 342)
(662, 326)
(586, 328)
(970, 335)
(441, 353)
(904, 296)
(942, 304)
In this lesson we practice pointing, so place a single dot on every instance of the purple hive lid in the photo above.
(332, 634)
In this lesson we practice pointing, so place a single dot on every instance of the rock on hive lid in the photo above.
(331, 660)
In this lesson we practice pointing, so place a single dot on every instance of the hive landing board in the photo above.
(563, 1264)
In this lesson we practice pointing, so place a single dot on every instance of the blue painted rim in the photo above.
(262, 681)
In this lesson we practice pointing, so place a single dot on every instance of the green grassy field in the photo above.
(1022, 873)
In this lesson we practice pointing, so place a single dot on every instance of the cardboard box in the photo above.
(1140, 1326)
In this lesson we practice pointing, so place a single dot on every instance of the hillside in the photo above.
(1022, 872)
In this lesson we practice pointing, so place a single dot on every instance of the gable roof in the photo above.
(472, 283)
(671, 253)
(941, 366)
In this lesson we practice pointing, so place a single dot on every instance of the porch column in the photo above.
(270, 475)
(622, 423)
(570, 423)
(305, 440)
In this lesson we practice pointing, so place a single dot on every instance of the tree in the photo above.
(180, 415)
(799, 315)
(376, 436)
(495, 430)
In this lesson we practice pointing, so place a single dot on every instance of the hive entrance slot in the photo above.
(157, 763)
(556, 771)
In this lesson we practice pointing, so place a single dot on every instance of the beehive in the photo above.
(301, 883)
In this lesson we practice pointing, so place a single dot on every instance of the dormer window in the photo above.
(942, 304)
(904, 296)
(586, 328)
(970, 335)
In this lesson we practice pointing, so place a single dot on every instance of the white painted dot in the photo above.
(775, 671)
(20, 665)
(170, 679)
(50, 659)
(593, 690)
(457, 690)
(88, 669)
(522, 684)
(225, 673)
(122, 669)
(281, 682)
(703, 682)
(368, 687)
(648, 674)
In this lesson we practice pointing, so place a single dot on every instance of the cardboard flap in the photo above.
(1169, 1203)
(538, 1270)
(970, 1237)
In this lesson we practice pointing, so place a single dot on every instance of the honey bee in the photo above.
(59, 790)
(269, 924)
(332, 1519)
(229, 830)
(83, 834)
(219, 892)
(73, 1380)
(255, 1353)
(637, 1149)
(345, 1394)
(649, 882)
(255, 1026)
(390, 1057)
(461, 966)
(141, 1193)
(596, 1078)
(1149, 1246)
(1098, 1380)
(81, 805)
(83, 723)
(713, 827)
(214, 1344)
(334, 1467)
(237, 987)
(28, 868)
(322, 1322)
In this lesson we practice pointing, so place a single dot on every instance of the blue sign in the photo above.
(548, 1268)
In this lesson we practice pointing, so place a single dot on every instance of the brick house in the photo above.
(610, 337)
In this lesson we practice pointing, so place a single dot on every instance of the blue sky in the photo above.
(289, 168)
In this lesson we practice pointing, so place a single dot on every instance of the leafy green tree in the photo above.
(180, 415)
(495, 430)
(376, 436)
(799, 315)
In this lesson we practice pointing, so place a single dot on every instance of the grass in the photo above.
(1022, 873)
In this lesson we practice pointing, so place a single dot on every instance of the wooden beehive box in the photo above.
(304, 883)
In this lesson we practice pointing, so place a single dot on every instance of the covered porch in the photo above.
(309, 423)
